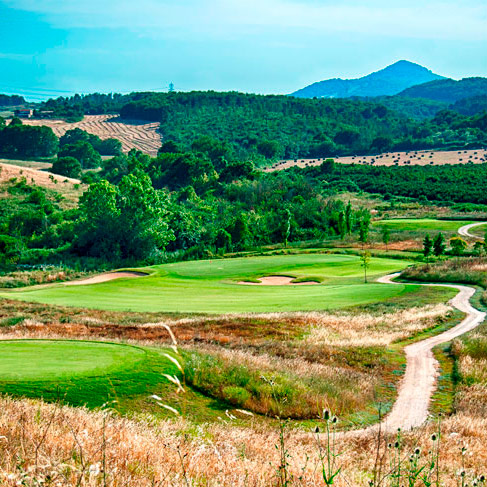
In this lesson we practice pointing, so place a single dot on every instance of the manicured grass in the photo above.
(211, 286)
(50, 359)
(421, 225)
(80, 372)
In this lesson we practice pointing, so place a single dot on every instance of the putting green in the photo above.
(211, 286)
(53, 359)
(422, 225)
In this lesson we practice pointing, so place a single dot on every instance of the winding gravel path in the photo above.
(418, 384)
(465, 230)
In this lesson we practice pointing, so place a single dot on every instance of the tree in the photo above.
(124, 222)
(363, 231)
(84, 152)
(287, 226)
(458, 245)
(365, 258)
(349, 218)
(386, 236)
(439, 246)
(342, 227)
(427, 247)
(269, 148)
(67, 166)
(26, 141)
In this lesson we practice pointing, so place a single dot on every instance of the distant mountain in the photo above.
(448, 90)
(388, 81)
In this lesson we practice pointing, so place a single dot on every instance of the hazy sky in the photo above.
(262, 46)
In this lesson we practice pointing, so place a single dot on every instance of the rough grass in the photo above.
(47, 275)
(265, 384)
(75, 447)
(466, 270)
(211, 286)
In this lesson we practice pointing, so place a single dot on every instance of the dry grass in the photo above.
(70, 188)
(68, 447)
(413, 158)
(363, 330)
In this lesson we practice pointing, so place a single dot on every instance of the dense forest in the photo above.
(256, 126)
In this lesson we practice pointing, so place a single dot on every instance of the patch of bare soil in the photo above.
(109, 276)
(277, 281)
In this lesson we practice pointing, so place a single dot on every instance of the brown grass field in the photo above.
(35, 173)
(132, 134)
(413, 158)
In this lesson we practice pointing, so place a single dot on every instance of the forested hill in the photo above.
(273, 126)
(270, 126)
(448, 90)
(388, 81)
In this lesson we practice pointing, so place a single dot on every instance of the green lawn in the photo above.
(97, 374)
(54, 360)
(80, 372)
(210, 286)
(423, 225)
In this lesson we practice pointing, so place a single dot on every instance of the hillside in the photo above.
(388, 81)
(448, 90)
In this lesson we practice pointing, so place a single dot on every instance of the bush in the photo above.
(67, 166)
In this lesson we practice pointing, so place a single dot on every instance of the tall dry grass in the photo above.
(63, 446)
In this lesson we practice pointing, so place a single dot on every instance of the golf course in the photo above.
(218, 286)
(81, 372)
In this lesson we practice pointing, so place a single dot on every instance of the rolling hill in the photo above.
(388, 81)
(448, 90)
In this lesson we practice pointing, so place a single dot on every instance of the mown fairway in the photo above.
(80, 372)
(211, 286)
(422, 225)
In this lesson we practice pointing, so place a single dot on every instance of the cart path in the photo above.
(465, 230)
(418, 384)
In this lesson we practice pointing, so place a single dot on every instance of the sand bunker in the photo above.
(109, 276)
(277, 281)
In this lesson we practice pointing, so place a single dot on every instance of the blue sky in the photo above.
(262, 46)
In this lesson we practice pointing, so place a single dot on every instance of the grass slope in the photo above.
(211, 286)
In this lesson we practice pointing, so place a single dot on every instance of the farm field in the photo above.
(212, 286)
(134, 134)
(421, 158)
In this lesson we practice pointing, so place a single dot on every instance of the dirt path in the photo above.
(418, 384)
(465, 230)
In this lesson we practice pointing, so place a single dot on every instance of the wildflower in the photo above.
(326, 414)
(334, 420)
(433, 437)
(417, 451)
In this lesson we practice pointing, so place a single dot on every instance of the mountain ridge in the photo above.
(388, 81)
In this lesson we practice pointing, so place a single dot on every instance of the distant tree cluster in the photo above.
(19, 141)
